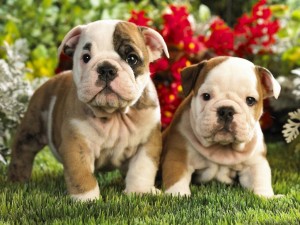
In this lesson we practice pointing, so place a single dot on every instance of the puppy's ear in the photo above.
(189, 76)
(70, 41)
(155, 43)
(271, 87)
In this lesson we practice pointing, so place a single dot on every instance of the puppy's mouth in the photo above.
(224, 135)
(108, 100)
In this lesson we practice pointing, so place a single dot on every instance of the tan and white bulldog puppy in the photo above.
(103, 114)
(215, 133)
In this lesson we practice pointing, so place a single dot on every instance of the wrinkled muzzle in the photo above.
(223, 124)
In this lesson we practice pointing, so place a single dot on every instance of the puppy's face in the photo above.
(111, 62)
(228, 100)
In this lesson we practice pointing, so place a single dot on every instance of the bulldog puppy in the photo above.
(103, 114)
(215, 133)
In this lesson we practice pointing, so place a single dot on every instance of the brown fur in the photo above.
(174, 140)
(135, 39)
(69, 142)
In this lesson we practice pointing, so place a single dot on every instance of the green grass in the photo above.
(43, 200)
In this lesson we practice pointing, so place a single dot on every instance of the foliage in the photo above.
(43, 200)
(287, 51)
(14, 90)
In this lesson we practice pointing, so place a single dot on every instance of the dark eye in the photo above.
(86, 58)
(206, 96)
(132, 59)
(250, 101)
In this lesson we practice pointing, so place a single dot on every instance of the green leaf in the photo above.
(39, 51)
(12, 28)
(204, 13)
(296, 15)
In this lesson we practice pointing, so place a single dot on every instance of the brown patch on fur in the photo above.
(174, 153)
(154, 145)
(31, 136)
(174, 160)
(189, 75)
(258, 107)
(194, 76)
(79, 179)
(128, 38)
(209, 65)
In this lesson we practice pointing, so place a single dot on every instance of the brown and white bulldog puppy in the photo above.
(215, 133)
(103, 114)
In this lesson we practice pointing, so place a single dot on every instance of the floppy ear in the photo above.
(271, 87)
(189, 76)
(155, 43)
(68, 45)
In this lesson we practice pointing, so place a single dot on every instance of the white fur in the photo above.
(103, 34)
(181, 187)
(141, 173)
(257, 178)
(49, 128)
(120, 132)
(93, 194)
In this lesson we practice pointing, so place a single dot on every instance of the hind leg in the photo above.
(28, 141)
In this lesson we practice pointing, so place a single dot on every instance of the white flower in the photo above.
(15, 90)
(291, 128)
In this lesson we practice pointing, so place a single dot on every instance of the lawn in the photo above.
(44, 201)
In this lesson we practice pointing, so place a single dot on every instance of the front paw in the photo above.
(91, 195)
(264, 193)
(270, 196)
(153, 190)
(180, 193)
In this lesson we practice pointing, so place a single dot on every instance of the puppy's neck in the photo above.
(97, 113)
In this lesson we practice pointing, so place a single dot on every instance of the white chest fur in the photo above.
(117, 139)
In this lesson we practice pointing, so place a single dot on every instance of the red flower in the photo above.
(139, 18)
(261, 11)
(255, 33)
(169, 97)
(177, 66)
(193, 45)
(176, 25)
(221, 39)
(159, 65)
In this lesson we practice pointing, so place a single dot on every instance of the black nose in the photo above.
(106, 72)
(225, 114)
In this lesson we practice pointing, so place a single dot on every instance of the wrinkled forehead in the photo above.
(110, 34)
(233, 74)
